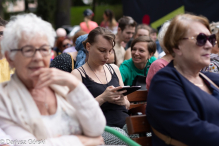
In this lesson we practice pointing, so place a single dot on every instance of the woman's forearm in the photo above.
(89, 114)
(100, 99)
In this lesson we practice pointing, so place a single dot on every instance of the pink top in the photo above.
(154, 68)
(91, 24)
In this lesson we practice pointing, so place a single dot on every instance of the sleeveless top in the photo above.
(115, 114)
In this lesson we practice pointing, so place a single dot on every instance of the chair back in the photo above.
(139, 125)
(137, 101)
(137, 122)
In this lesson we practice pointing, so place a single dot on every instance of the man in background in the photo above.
(126, 30)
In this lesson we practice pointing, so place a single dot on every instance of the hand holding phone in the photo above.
(111, 94)
(129, 89)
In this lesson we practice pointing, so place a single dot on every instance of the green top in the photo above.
(129, 71)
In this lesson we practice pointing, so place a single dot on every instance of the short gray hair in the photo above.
(161, 35)
(28, 25)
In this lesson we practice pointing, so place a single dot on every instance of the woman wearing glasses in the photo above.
(182, 105)
(42, 103)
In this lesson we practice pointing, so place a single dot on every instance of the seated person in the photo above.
(41, 102)
(182, 106)
(104, 80)
(109, 21)
(60, 35)
(142, 49)
(214, 57)
(88, 24)
(162, 62)
(140, 30)
(73, 39)
(66, 61)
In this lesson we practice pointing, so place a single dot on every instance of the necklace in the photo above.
(97, 76)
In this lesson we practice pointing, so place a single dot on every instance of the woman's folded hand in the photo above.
(44, 77)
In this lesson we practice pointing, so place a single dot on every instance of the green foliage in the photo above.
(46, 10)
(109, 2)
(98, 2)
(77, 13)
(77, 3)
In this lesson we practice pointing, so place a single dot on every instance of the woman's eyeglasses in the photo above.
(202, 39)
(66, 45)
(30, 51)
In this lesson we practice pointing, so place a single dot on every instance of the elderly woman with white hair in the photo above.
(162, 62)
(42, 103)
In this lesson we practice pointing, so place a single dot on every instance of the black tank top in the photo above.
(115, 114)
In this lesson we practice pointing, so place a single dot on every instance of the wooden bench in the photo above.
(134, 99)
(139, 125)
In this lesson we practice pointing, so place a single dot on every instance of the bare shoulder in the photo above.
(115, 68)
(77, 74)
(74, 55)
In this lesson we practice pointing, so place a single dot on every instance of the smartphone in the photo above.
(129, 89)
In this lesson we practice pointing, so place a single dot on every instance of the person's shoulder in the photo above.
(126, 62)
(102, 24)
(62, 56)
(93, 23)
(60, 59)
(152, 59)
(114, 66)
(78, 73)
(213, 76)
(82, 23)
(166, 73)
(159, 62)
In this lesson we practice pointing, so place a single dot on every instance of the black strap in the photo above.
(81, 69)
(110, 68)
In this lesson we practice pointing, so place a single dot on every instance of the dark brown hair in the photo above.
(153, 31)
(126, 21)
(150, 43)
(178, 29)
(106, 33)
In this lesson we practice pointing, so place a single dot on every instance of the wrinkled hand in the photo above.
(112, 95)
(90, 141)
(47, 76)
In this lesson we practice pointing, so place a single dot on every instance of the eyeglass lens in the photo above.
(202, 39)
(29, 51)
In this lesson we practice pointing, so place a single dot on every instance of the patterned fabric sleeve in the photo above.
(62, 62)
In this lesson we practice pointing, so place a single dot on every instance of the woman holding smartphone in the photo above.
(104, 80)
